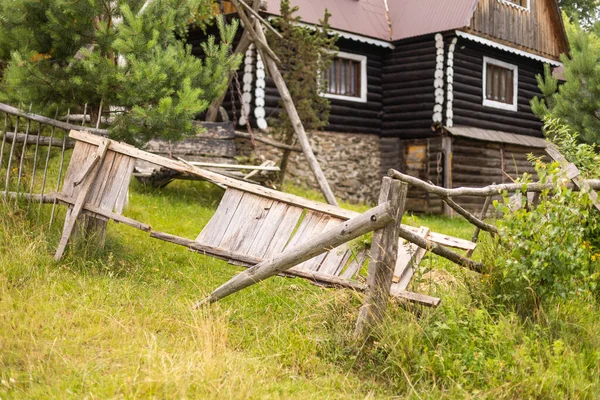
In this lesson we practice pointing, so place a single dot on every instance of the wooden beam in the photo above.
(384, 252)
(48, 121)
(288, 103)
(102, 212)
(484, 191)
(373, 219)
(314, 276)
(573, 174)
(270, 142)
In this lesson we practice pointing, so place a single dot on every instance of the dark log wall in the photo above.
(409, 95)
(349, 116)
(476, 164)
(345, 116)
(468, 92)
(538, 30)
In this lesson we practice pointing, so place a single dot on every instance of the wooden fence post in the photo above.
(384, 251)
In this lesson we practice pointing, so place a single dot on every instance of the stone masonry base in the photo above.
(350, 162)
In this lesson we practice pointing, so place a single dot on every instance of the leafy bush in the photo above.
(549, 251)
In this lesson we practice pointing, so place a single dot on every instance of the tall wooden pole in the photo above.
(384, 252)
(295, 120)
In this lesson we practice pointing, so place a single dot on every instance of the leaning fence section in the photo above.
(34, 152)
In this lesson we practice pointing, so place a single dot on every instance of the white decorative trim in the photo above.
(363, 78)
(450, 83)
(497, 104)
(509, 49)
(248, 78)
(438, 81)
(351, 36)
(518, 7)
(259, 94)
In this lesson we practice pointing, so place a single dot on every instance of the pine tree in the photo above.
(577, 101)
(61, 54)
(304, 54)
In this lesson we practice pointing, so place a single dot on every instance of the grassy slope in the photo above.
(117, 323)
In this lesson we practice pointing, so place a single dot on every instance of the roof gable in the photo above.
(538, 29)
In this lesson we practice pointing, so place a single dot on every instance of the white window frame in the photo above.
(518, 7)
(363, 78)
(497, 104)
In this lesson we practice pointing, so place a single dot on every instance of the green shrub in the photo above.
(550, 250)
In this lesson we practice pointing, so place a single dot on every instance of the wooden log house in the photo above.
(443, 85)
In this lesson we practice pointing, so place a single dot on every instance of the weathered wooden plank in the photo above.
(335, 260)
(405, 270)
(312, 224)
(79, 202)
(348, 230)
(355, 265)
(326, 223)
(253, 221)
(122, 197)
(104, 178)
(262, 239)
(249, 205)
(81, 152)
(283, 232)
(214, 230)
(94, 211)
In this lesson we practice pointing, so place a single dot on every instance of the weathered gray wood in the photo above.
(313, 224)
(99, 211)
(335, 260)
(246, 222)
(288, 103)
(484, 191)
(316, 263)
(316, 277)
(409, 258)
(355, 227)
(573, 173)
(475, 237)
(279, 226)
(384, 250)
(252, 188)
(78, 206)
(355, 265)
(440, 250)
(48, 121)
(43, 140)
(214, 230)
(270, 142)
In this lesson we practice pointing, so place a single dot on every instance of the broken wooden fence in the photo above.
(33, 152)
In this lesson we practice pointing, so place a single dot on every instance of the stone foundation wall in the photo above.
(350, 162)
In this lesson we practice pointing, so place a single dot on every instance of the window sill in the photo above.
(500, 105)
(362, 99)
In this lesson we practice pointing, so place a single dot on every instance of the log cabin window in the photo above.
(346, 79)
(500, 84)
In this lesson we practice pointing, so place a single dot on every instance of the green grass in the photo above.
(117, 323)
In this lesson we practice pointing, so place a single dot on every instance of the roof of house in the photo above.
(408, 18)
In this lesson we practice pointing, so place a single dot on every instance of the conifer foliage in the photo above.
(126, 54)
(304, 54)
(577, 101)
